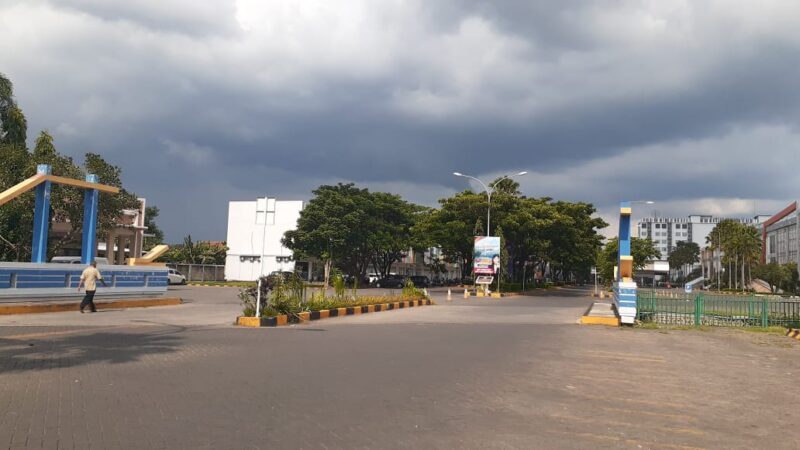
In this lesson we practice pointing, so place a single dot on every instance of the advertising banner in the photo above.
(486, 255)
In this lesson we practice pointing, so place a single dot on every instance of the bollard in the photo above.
(449, 295)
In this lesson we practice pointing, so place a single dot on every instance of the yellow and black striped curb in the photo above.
(212, 285)
(329, 313)
(793, 333)
(36, 308)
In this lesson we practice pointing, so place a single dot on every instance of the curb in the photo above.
(35, 308)
(209, 285)
(793, 333)
(495, 295)
(586, 319)
(307, 316)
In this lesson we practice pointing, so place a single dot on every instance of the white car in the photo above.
(176, 277)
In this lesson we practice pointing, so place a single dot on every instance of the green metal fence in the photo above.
(704, 308)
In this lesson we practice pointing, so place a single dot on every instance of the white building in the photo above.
(255, 230)
(666, 232)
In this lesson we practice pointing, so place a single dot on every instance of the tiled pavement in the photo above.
(467, 374)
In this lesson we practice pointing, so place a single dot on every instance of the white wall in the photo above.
(255, 229)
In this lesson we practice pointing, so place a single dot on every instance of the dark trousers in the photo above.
(88, 300)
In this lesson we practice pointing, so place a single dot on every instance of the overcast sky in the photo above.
(693, 104)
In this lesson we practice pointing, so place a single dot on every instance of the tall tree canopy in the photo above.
(354, 228)
(18, 163)
(556, 235)
(684, 254)
(740, 245)
(13, 125)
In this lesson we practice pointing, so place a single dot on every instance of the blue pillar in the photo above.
(625, 289)
(624, 236)
(89, 246)
(41, 217)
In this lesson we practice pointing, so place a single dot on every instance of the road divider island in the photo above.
(277, 301)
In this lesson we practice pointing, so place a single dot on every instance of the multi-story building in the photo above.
(666, 232)
(779, 237)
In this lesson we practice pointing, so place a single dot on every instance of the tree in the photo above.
(684, 254)
(642, 250)
(190, 252)
(389, 229)
(13, 125)
(153, 235)
(774, 274)
(17, 164)
(453, 227)
(355, 228)
(740, 246)
(559, 237)
(503, 254)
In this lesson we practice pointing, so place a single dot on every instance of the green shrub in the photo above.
(289, 298)
(248, 302)
(337, 280)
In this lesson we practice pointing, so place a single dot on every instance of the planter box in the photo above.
(326, 313)
(262, 321)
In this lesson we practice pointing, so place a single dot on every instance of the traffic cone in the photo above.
(449, 295)
(466, 293)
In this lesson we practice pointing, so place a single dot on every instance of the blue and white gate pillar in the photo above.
(625, 287)
(41, 217)
(89, 244)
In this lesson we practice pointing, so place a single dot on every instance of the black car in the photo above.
(391, 281)
(420, 281)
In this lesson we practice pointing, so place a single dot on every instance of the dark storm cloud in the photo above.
(202, 103)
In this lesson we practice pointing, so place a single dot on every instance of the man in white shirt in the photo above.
(89, 277)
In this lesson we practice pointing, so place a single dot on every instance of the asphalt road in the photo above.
(478, 373)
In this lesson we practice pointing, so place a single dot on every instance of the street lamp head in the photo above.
(649, 202)
(522, 173)
(458, 174)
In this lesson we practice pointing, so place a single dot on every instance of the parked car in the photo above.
(420, 281)
(175, 277)
(391, 281)
(76, 260)
(284, 275)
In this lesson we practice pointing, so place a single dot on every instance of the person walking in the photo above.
(89, 277)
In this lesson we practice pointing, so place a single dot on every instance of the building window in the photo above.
(261, 209)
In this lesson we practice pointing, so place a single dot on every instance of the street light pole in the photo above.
(489, 193)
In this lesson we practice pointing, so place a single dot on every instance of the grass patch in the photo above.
(661, 326)
(768, 330)
(776, 330)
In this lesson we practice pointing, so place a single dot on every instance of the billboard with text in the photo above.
(486, 255)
